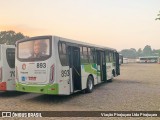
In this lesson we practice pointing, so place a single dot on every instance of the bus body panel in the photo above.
(86, 70)
(7, 72)
(109, 70)
(62, 72)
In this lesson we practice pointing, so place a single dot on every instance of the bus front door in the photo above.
(101, 64)
(75, 68)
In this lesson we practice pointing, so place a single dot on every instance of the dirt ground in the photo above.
(136, 89)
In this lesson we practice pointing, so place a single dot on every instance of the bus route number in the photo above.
(41, 65)
(65, 73)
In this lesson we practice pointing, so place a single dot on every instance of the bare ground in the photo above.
(136, 89)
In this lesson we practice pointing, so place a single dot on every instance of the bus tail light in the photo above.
(1, 74)
(52, 74)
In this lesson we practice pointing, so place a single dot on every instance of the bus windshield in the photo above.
(34, 49)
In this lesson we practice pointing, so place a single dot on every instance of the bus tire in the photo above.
(110, 80)
(113, 73)
(90, 84)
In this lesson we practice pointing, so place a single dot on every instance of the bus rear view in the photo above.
(35, 66)
(7, 67)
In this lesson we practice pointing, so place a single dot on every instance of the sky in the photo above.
(119, 24)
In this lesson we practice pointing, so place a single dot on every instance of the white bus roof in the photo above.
(70, 41)
(83, 43)
(149, 57)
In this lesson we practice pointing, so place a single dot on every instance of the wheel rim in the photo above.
(90, 84)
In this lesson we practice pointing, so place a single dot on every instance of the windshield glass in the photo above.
(34, 49)
(10, 55)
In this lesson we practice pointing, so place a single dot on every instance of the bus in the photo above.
(148, 59)
(60, 66)
(7, 67)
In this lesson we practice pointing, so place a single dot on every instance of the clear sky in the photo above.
(120, 24)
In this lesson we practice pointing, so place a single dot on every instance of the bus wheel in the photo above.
(89, 88)
(110, 80)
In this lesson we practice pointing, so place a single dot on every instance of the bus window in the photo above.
(63, 54)
(81, 51)
(84, 57)
(10, 56)
(107, 56)
(34, 50)
(90, 55)
(93, 54)
(111, 56)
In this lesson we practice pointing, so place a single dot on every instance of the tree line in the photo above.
(10, 37)
(147, 51)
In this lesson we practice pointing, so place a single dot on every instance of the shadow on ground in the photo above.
(45, 98)
(11, 94)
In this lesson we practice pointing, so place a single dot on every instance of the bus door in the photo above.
(75, 68)
(101, 64)
(117, 64)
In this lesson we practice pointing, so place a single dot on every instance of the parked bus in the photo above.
(55, 65)
(7, 67)
(148, 59)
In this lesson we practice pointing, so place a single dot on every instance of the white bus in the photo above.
(55, 65)
(148, 59)
(7, 67)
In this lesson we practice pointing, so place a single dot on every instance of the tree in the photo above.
(156, 52)
(158, 16)
(10, 37)
(147, 51)
(129, 53)
(139, 52)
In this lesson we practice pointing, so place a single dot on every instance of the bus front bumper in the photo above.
(3, 86)
(44, 89)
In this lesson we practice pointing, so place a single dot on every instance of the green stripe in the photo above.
(91, 68)
(45, 89)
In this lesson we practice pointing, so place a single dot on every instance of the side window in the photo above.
(84, 55)
(90, 55)
(93, 54)
(63, 53)
(107, 56)
(111, 56)
(10, 56)
(114, 56)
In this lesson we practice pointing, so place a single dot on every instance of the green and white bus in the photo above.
(56, 65)
(7, 67)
